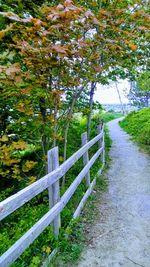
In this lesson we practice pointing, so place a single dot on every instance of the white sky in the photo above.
(108, 94)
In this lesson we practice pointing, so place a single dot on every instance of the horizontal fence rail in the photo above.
(19, 199)
(57, 204)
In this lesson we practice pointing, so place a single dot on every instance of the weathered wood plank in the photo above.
(84, 141)
(17, 200)
(18, 248)
(100, 129)
(82, 202)
(104, 149)
(54, 191)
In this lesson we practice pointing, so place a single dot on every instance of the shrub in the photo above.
(138, 125)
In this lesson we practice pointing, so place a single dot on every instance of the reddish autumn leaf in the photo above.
(95, 21)
(18, 79)
(26, 90)
(105, 12)
(59, 49)
(142, 28)
(37, 22)
(60, 7)
(89, 14)
(15, 68)
(68, 3)
(15, 17)
(97, 68)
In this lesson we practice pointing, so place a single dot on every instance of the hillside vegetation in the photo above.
(110, 115)
(137, 124)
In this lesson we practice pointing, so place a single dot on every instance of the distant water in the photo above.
(118, 107)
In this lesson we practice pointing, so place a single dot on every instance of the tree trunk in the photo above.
(69, 117)
(43, 135)
(43, 114)
(122, 107)
(92, 89)
(55, 125)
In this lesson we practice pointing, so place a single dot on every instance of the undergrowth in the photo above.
(15, 225)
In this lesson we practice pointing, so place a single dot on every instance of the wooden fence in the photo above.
(51, 182)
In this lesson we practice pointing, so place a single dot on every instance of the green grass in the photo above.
(137, 124)
(108, 116)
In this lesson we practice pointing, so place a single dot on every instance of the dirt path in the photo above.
(122, 236)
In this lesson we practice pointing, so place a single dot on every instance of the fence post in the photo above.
(85, 157)
(103, 148)
(54, 189)
(100, 142)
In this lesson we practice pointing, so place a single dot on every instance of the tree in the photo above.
(139, 93)
(53, 51)
(46, 57)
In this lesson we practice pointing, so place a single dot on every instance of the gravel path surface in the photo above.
(122, 236)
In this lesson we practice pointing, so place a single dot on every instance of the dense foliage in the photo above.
(139, 94)
(138, 125)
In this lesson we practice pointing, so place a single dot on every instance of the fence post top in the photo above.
(99, 126)
(84, 134)
(53, 149)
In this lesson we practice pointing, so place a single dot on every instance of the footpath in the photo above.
(121, 238)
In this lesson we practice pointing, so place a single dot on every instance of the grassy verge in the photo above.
(108, 116)
(137, 124)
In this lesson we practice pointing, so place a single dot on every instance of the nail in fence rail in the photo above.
(51, 182)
